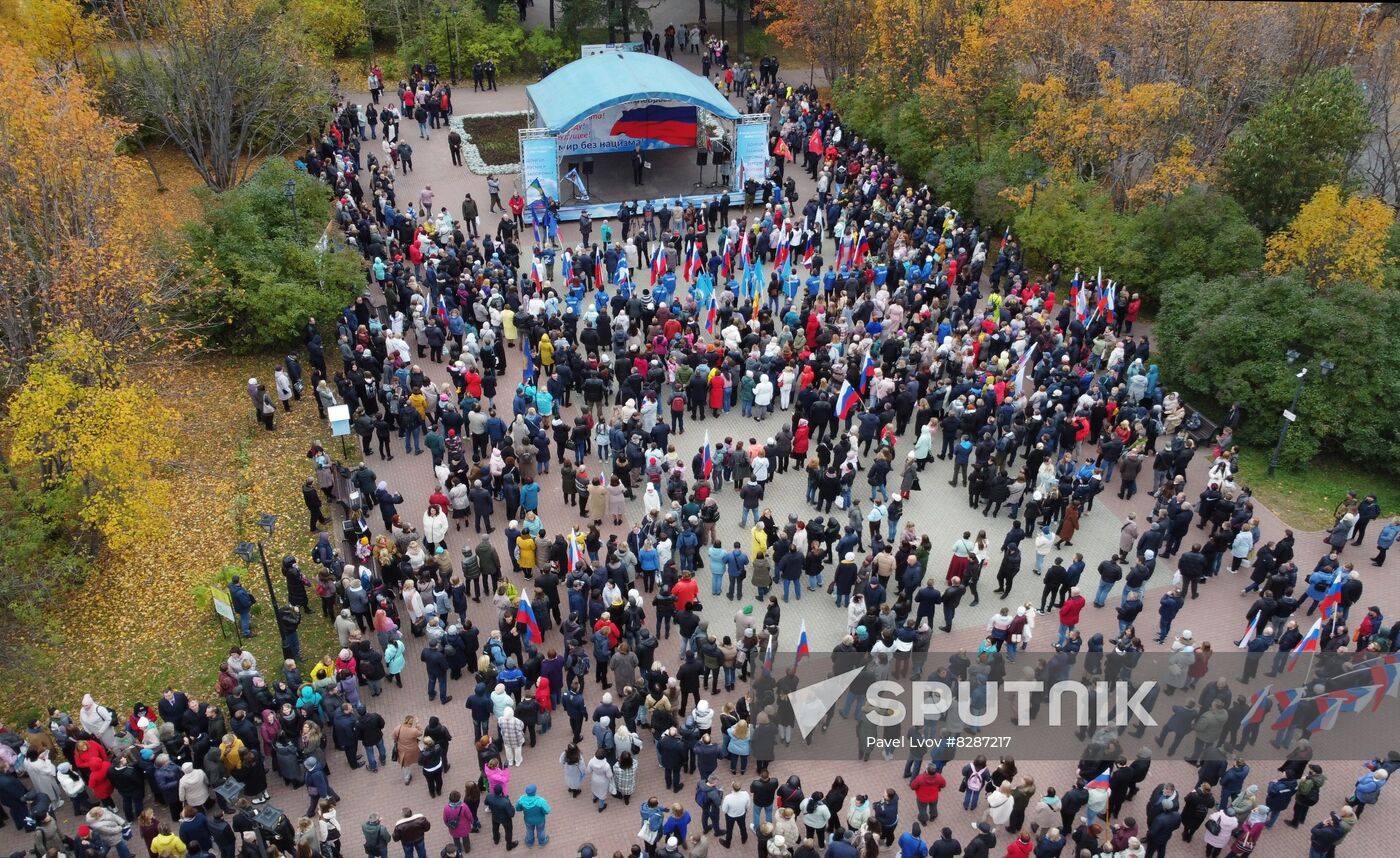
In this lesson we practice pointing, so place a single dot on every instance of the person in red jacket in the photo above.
(685, 590)
(1020, 847)
(1134, 307)
(926, 786)
(1069, 614)
(717, 393)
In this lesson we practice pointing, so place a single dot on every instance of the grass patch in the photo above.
(139, 623)
(1306, 499)
(496, 137)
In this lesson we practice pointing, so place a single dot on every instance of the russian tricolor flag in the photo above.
(658, 263)
(1333, 597)
(1250, 632)
(706, 457)
(1256, 712)
(674, 125)
(867, 372)
(526, 614)
(862, 248)
(846, 402)
(711, 315)
(1100, 782)
(694, 263)
(809, 252)
(1311, 642)
(803, 647)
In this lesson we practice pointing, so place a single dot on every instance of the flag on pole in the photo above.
(1255, 713)
(658, 263)
(600, 276)
(803, 647)
(575, 556)
(867, 372)
(566, 266)
(810, 251)
(1311, 642)
(1357, 699)
(624, 277)
(707, 457)
(711, 314)
(862, 248)
(535, 225)
(781, 260)
(1333, 597)
(1251, 631)
(1024, 364)
(1287, 701)
(537, 273)
(526, 614)
(1329, 706)
(846, 401)
(768, 655)
(1102, 780)
(694, 264)
(1006, 236)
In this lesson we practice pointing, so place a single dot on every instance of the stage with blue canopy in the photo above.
(591, 118)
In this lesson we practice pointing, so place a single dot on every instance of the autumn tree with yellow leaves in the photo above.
(1335, 238)
(82, 428)
(81, 246)
(59, 34)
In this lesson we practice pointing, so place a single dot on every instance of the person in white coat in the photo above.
(97, 720)
(762, 397)
(435, 524)
(786, 379)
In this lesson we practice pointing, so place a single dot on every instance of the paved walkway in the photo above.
(938, 510)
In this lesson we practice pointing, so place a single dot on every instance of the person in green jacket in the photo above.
(376, 837)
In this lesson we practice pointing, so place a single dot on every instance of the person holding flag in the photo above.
(804, 648)
(847, 401)
(525, 615)
(658, 263)
(1311, 642)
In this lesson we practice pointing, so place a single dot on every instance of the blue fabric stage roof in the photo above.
(585, 86)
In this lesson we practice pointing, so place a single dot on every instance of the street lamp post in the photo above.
(1291, 413)
(289, 193)
(267, 522)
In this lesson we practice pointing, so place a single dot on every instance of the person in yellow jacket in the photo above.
(166, 844)
(546, 351)
(525, 552)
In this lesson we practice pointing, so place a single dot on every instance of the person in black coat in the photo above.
(296, 581)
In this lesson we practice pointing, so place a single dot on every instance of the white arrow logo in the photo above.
(810, 704)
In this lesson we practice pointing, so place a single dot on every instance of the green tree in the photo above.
(1225, 340)
(1300, 140)
(1199, 232)
(1073, 222)
(258, 262)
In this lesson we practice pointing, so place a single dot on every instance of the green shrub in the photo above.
(256, 266)
(1224, 340)
(1072, 222)
(1198, 233)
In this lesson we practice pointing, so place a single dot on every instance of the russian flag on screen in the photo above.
(673, 125)
(526, 614)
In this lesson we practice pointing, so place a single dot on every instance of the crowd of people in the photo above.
(923, 331)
